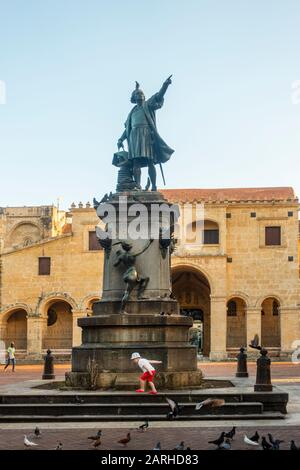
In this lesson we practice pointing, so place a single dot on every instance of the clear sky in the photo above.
(69, 67)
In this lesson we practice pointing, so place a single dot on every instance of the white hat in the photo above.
(135, 355)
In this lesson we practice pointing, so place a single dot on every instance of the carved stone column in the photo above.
(34, 336)
(218, 328)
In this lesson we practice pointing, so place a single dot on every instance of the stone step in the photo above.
(272, 401)
(123, 409)
(107, 418)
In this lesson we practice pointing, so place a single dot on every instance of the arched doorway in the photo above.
(58, 326)
(192, 290)
(16, 330)
(236, 323)
(270, 323)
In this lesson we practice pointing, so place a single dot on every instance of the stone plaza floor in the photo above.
(195, 434)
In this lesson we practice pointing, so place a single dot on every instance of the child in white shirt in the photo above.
(148, 372)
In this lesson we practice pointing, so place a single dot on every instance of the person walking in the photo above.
(148, 372)
(11, 357)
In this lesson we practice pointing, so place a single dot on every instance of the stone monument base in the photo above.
(130, 381)
(111, 339)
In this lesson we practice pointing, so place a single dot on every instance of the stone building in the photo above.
(242, 280)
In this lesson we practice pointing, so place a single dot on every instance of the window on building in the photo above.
(93, 242)
(273, 235)
(232, 308)
(44, 266)
(211, 237)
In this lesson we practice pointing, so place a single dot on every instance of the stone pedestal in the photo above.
(151, 325)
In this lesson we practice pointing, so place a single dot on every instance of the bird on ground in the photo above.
(94, 438)
(265, 445)
(144, 426)
(78, 400)
(225, 445)
(37, 432)
(230, 434)
(28, 443)
(97, 443)
(125, 441)
(255, 437)
(254, 343)
(293, 446)
(250, 442)
(180, 446)
(276, 444)
(175, 408)
(210, 402)
(219, 441)
(157, 447)
(271, 439)
(59, 446)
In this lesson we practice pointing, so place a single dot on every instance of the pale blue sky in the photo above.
(70, 66)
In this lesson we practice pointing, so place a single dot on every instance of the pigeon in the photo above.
(231, 434)
(255, 437)
(78, 400)
(175, 409)
(125, 441)
(157, 447)
(97, 443)
(265, 445)
(218, 441)
(250, 442)
(211, 402)
(144, 426)
(59, 446)
(37, 432)
(293, 446)
(276, 444)
(271, 439)
(180, 446)
(94, 438)
(225, 445)
(254, 343)
(28, 443)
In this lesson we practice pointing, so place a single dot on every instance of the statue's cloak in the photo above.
(162, 151)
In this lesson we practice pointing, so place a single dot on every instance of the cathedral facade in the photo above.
(243, 279)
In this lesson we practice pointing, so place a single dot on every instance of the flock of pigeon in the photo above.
(223, 442)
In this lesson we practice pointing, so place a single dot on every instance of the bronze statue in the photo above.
(145, 146)
(131, 276)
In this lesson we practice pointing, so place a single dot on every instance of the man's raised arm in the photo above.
(164, 87)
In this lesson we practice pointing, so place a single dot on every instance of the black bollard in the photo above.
(48, 366)
(263, 373)
(241, 364)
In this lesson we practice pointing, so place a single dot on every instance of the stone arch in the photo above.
(192, 289)
(180, 264)
(86, 302)
(240, 295)
(52, 297)
(14, 326)
(263, 297)
(34, 235)
(57, 329)
(7, 311)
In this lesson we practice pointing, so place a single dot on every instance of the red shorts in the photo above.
(148, 376)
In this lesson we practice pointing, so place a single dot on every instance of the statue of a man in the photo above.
(145, 146)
